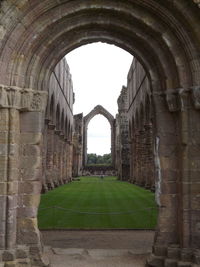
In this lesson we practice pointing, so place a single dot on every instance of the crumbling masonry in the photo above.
(163, 114)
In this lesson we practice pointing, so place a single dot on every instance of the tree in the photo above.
(94, 159)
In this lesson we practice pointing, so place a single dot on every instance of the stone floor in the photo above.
(95, 257)
(115, 248)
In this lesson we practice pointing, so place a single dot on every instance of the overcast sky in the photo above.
(98, 72)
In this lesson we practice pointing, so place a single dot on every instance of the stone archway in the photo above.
(164, 36)
(102, 111)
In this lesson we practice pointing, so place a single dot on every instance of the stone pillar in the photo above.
(177, 241)
(149, 158)
(44, 158)
(61, 158)
(136, 157)
(9, 174)
(113, 136)
(50, 155)
(167, 176)
(22, 118)
(70, 161)
(56, 171)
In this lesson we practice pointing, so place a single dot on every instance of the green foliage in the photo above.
(124, 206)
(94, 159)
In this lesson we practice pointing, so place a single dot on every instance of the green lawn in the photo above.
(95, 203)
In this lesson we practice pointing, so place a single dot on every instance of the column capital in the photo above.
(51, 126)
(196, 96)
(23, 99)
(180, 99)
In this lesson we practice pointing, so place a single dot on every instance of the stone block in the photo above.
(14, 174)
(32, 187)
(155, 261)
(173, 252)
(31, 174)
(31, 138)
(31, 200)
(168, 163)
(168, 200)
(170, 263)
(2, 238)
(28, 237)
(12, 188)
(160, 250)
(184, 264)
(32, 122)
(168, 187)
(14, 137)
(27, 212)
(4, 119)
(31, 150)
(3, 150)
(30, 162)
(22, 252)
(3, 188)
(8, 255)
(186, 255)
(3, 137)
(10, 264)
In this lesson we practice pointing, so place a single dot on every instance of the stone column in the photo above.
(177, 241)
(9, 175)
(50, 155)
(136, 157)
(62, 158)
(189, 211)
(167, 177)
(21, 174)
(70, 162)
(56, 158)
(31, 129)
(44, 158)
(149, 158)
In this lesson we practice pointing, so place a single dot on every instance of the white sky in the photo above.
(98, 72)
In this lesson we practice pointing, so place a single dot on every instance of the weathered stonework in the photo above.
(78, 145)
(122, 140)
(57, 135)
(164, 36)
(99, 110)
(141, 135)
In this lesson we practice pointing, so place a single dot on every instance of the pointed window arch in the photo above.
(99, 110)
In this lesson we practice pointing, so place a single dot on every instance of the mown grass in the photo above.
(93, 195)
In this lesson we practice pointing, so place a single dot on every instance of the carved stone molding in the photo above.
(196, 96)
(22, 99)
(180, 99)
(174, 100)
(51, 126)
(197, 2)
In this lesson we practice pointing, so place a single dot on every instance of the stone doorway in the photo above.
(163, 36)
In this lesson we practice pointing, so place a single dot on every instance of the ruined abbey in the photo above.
(155, 137)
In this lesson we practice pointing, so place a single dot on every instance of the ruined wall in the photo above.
(122, 141)
(77, 145)
(57, 138)
(140, 116)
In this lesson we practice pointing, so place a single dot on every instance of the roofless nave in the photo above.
(162, 113)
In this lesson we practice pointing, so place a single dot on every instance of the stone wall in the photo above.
(57, 138)
(141, 134)
(165, 37)
(102, 111)
(122, 141)
(77, 145)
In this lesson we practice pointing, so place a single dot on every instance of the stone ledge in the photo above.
(23, 99)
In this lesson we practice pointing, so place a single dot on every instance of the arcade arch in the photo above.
(164, 37)
(102, 111)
